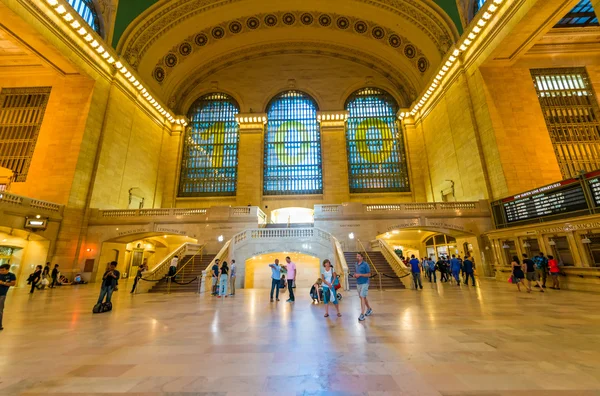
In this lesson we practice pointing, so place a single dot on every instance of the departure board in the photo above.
(562, 197)
(593, 179)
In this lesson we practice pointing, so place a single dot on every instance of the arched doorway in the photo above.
(292, 215)
(258, 272)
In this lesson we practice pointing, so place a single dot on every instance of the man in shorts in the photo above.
(215, 277)
(531, 275)
(362, 275)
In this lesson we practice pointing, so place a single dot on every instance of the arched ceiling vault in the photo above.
(177, 43)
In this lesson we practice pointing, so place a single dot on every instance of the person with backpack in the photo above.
(468, 270)
(329, 276)
(34, 278)
(541, 268)
(440, 267)
(55, 272)
(7, 279)
(109, 282)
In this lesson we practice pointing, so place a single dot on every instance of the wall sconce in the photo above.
(505, 246)
(220, 238)
(351, 235)
(526, 244)
(586, 240)
(551, 242)
(88, 250)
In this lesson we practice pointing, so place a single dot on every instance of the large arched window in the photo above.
(210, 148)
(87, 10)
(376, 156)
(292, 162)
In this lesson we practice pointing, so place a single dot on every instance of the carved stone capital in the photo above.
(251, 121)
(329, 119)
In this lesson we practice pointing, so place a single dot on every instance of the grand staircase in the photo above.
(382, 266)
(196, 264)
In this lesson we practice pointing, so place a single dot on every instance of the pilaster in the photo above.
(336, 188)
(250, 158)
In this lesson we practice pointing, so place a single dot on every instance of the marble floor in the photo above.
(443, 340)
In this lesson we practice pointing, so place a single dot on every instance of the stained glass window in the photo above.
(292, 163)
(210, 148)
(86, 9)
(376, 156)
(581, 15)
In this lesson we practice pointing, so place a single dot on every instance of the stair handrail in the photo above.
(392, 258)
(182, 268)
(222, 255)
(163, 266)
(341, 260)
(371, 262)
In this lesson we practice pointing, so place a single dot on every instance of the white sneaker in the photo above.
(369, 312)
(361, 318)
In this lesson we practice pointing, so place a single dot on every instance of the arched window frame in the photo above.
(88, 12)
(211, 115)
(366, 171)
(297, 170)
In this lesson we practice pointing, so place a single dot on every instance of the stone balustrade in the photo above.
(28, 206)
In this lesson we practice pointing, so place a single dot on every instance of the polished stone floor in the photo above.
(445, 340)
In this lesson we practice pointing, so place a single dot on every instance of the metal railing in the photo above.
(341, 261)
(392, 258)
(221, 256)
(371, 263)
(181, 270)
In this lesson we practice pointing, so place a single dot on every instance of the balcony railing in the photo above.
(18, 201)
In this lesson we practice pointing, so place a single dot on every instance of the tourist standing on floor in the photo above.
(415, 269)
(517, 276)
(455, 268)
(291, 277)
(109, 283)
(7, 279)
(223, 280)
(469, 270)
(329, 276)
(431, 265)
(173, 266)
(215, 277)
(554, 272)
(541, 268)
(275, 278)
(362, 276)
(54, 275)
(531, 274)
(46, 271)
(232, 276)
(143, 267)
(35, 278)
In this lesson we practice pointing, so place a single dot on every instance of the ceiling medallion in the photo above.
(360, 27)
(201, 39)
(171, 60)
(324, 20)
(185, 49)
(270, 20)
(252, 23)
(218, 32)
(235, 27)
(306, 18)
(288, 18)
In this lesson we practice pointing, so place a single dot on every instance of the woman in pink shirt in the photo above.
(554, 272)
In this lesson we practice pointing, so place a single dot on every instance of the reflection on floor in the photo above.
(450, 341)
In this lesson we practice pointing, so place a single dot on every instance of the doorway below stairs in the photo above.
(258, 272)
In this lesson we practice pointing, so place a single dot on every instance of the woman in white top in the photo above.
(329, 276)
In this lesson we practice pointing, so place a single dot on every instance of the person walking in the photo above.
(329, 276)
(554, 272)
(541, 268)
(232, 276)
(143, 267)
(362, 276)
(431, 265)
(215, 277)
(291, 277)
(55, 272)
(531, 273)
(468, 270)
(275, 278)
(440, 267)
(455, 268)
(173, 266)
(223, 280)
(415, 269)
(35, 278)
(7, 279)
(518, 275)
(109, 282)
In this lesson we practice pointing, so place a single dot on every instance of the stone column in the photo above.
(250, 158)
(336, 188)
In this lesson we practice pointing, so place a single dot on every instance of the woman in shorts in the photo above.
(329, 276)
(517, 275)
(554, 272)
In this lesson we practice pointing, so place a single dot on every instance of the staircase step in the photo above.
(379, 261)
(193, 269)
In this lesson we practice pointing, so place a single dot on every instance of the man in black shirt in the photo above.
(7, 279)
(109, 282)
(531, 275)
(54, 276)
(215, 277)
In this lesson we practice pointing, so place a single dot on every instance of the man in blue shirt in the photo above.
(415, 268)
(275, 278)
(468, 268)
(431, 265)
(455, 268)
(541, 268)
(362, 275)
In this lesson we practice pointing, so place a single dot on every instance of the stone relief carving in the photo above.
(173, 13)
(228, 29)
(404, 87)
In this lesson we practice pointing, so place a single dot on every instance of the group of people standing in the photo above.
(40, 278)
(222, 276)
(533, 270)
(449, 268)
(279, 280)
